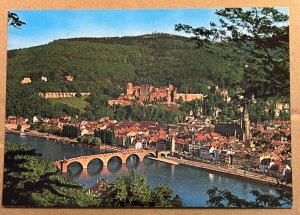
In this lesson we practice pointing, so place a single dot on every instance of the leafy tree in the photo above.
(162, 197)
(30, 181)
(19, 127)
(78, 94)
(262, 35)
(133, 189)
(224, 198)
(71, 131)
(14, 20)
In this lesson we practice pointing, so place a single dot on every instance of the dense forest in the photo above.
(104, 66)
(108, 64)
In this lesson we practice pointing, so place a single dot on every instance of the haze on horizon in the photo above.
(44, 26)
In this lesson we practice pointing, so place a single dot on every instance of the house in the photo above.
(26, 80)
(44, 79)
(222, 155)
(35, 119)
(138, 145)
(12, 119)
(69, 77)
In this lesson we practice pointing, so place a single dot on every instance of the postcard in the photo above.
(148, 108)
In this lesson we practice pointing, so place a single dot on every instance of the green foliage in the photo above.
(133, 189)
(71, 131)
(104, 66)
(261, 36)
(89, 140)
(75, 102)
(30, 181)
(106, 136)
(20, 96)
(19, 127)
(224, 198)
(133, 112)
(14, 20)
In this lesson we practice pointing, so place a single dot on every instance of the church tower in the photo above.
(245, 123)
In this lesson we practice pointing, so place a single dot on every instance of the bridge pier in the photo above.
(63, 166)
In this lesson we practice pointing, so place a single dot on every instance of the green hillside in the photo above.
(108, 64)
(104, 66)
(72, 102)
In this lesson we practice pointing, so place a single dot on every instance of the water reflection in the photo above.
(211, 177)
(95, 166)
(114, 164)
(132, 162)
(75, 169)
(189, 183)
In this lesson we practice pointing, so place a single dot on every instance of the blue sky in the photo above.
(44, 26)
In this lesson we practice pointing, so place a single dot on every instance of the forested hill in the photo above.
(107, 64)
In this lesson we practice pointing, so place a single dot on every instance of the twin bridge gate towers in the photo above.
(104, 158)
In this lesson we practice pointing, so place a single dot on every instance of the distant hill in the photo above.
(106, 65)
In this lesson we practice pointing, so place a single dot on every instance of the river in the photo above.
(189, 183)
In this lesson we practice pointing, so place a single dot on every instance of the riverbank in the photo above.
(59, 139)
(168, 161)
(235, 172)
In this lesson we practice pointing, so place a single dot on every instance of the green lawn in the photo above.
(73, 102)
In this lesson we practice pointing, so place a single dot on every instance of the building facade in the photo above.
(148, 93)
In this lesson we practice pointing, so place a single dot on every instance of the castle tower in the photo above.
(174, 94)
(169, 99)
(129, 91)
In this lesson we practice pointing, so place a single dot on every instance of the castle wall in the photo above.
(56, 95)
(188, 97)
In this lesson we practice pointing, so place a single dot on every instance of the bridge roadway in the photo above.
(104, 158)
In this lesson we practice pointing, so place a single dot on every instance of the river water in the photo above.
(189, 183)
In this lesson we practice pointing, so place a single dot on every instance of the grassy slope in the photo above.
(73, 102)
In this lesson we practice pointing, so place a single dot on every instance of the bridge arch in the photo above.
(115, 166)
(95, 165)
(121, 159)
(150, 153)
(81, 167)
(138, 158)
(94, 159)
(133, 161)
(162, 154)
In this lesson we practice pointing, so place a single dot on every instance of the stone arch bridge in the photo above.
(104, 158)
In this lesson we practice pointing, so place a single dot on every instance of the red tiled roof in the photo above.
(214, 134)
(200, 137)
(180, 141)
(221, 139)
(213, 144)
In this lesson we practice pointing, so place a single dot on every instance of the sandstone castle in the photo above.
(147, 93)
